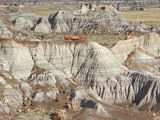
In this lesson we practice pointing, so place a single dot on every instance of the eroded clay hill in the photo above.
(139, 53)
(21, 24)
(38, 72)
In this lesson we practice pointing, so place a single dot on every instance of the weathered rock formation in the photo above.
(32, 70)
(139, 53)
(65, 22)
(22, 23)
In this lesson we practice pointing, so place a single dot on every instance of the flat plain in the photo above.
(149, 16)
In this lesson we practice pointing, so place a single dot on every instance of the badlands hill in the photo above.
(35, 73)
(91, 18)
(45, 79)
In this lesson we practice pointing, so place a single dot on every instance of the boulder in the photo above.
(42, 27)
(22, 23)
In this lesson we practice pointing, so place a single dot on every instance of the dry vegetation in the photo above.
(150, 16)
(42, 10)
(47, 10)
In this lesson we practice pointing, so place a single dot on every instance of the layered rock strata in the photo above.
(43, 63)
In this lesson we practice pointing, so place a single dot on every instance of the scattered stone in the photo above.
(153, 115)
(37, 111)
(58, 118)
(69, 106)
(74, 106)
(63, 110)
(58, 99)
(20, 110)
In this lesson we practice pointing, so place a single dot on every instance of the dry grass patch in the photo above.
(47, 10)
(42, 10)
(150, 16)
